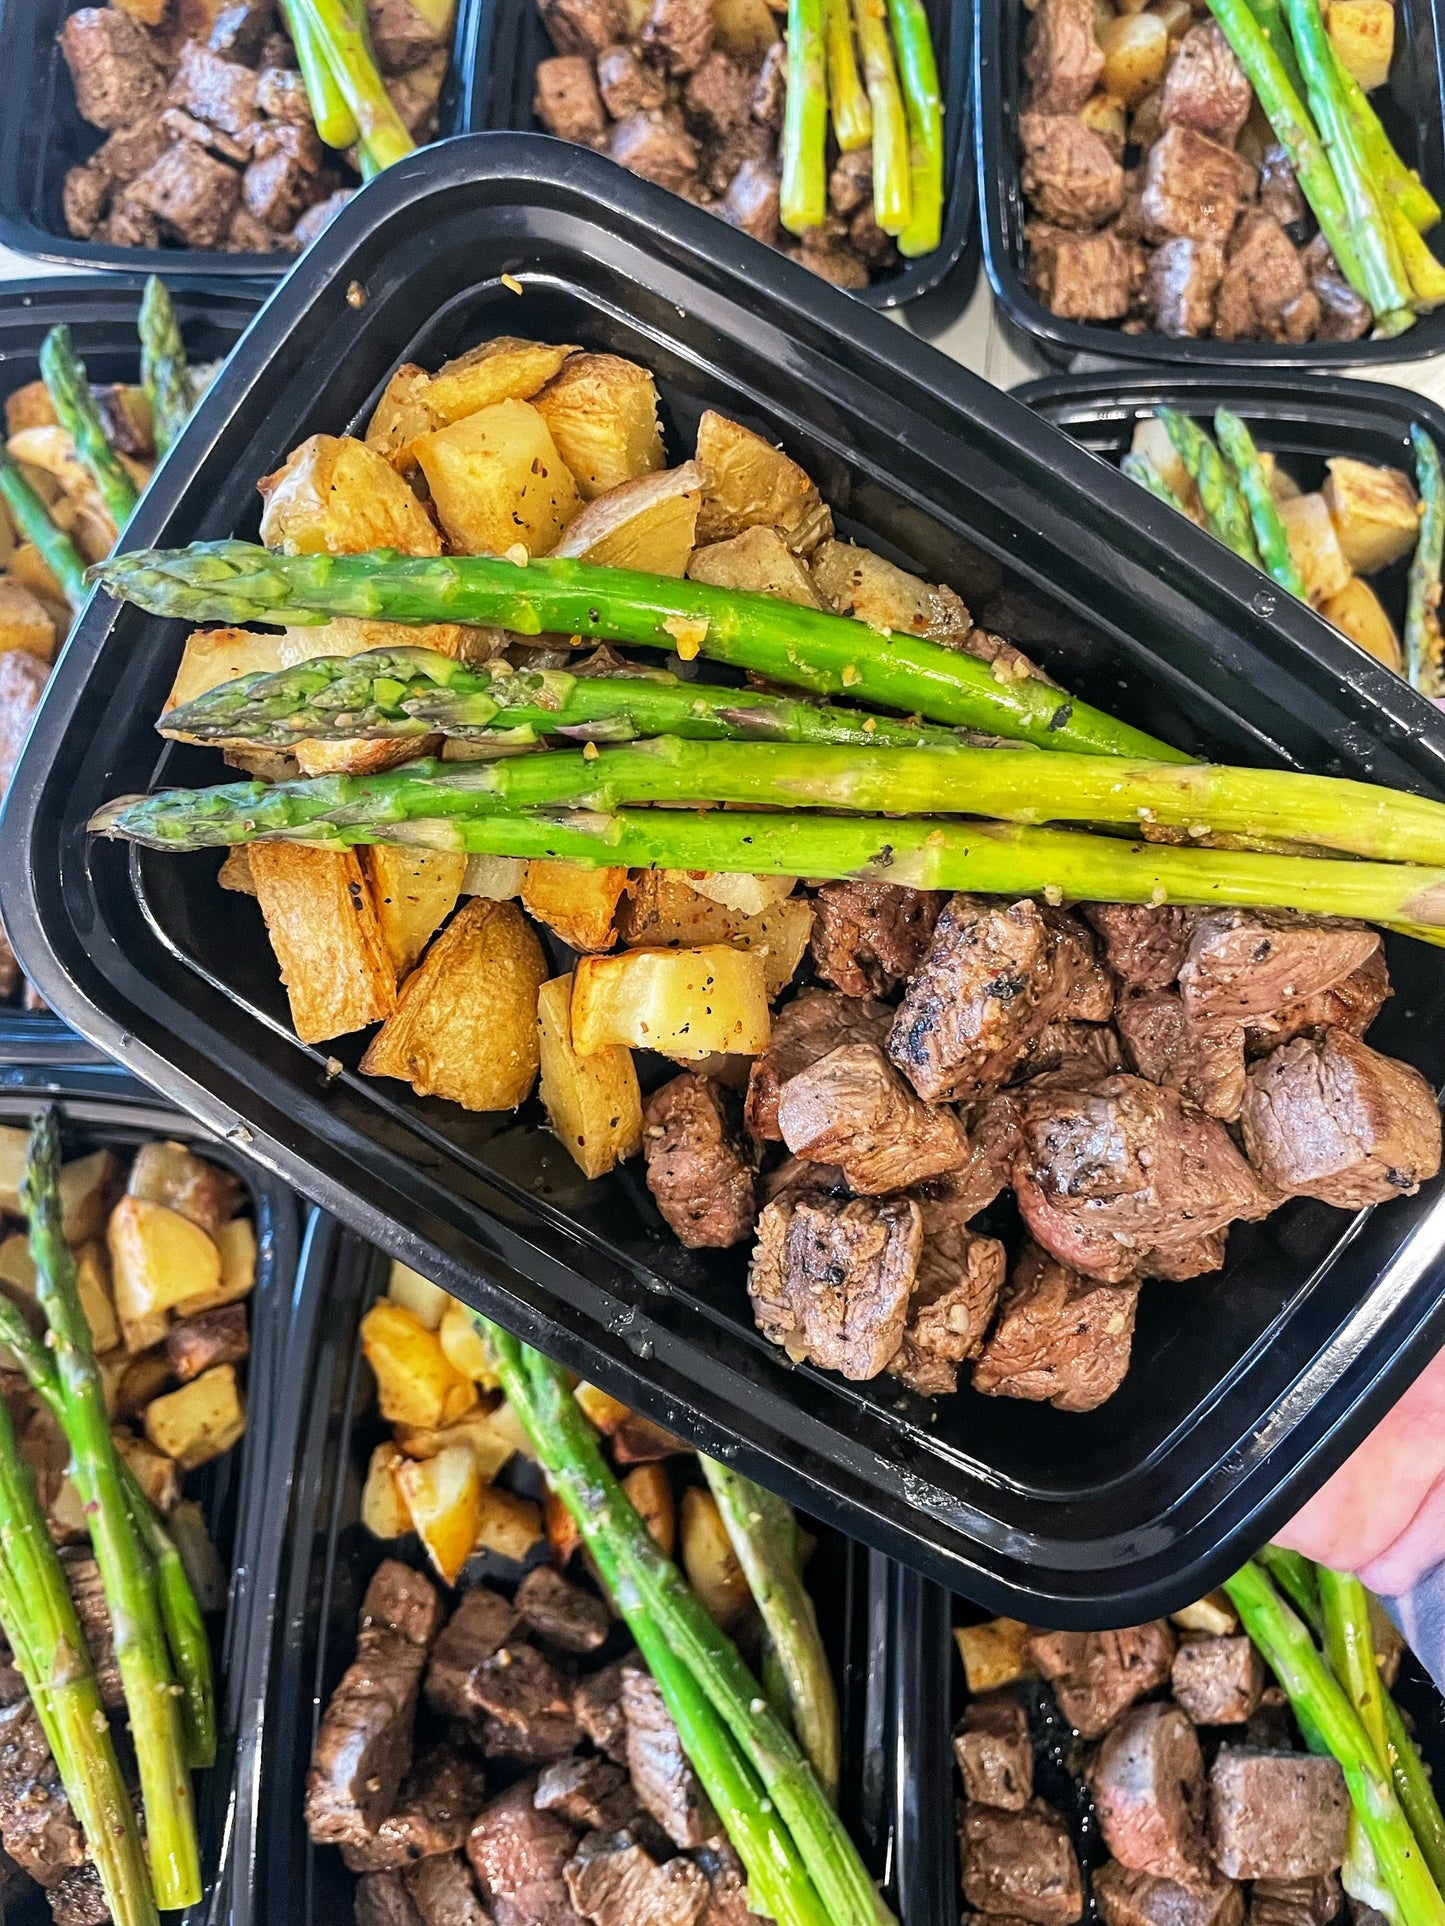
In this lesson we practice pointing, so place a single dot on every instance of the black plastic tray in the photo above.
(1410, 105)
(1248, 1388)
(101, 1109)
(312, 1562)
(42, 136)
(505, 40)
(102, 317)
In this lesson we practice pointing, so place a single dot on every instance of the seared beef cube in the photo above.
(180, 125)
(1191, 188)
(718, 96)
(381, 1899)
(752, 201)
(993, 1142)
(282, 94)
(1265, 294)
(318, 218)
(401, 35)
(1184, 276)
(526, 1705)
(665, 1783)
(1147, 1779)
(567, 101)
(117, 79)
(1344, 315)
(697, 1166)
(584, 26)
(40, 1832)
(628, 85)
(815, 1022)
(850, 184)
(1202, 1061)
(220, 92)
(1021, 1864)
(994, 1752)
(1069, 174)
(78, 1898)
(1129, 1898)
(82, 1576)
(1061, 1339)
(561, 1614)
(1218, 1681)
(1353, 1003)
(1279, 191)
(830, 1280)
(1244, 963)
(517, 1854)
(442, 1892)
(191, 193)
(869, 937)
(1098, 1675)
(436, 1804)
(1083, 277)
(1144, 943)
(678, 34)
(616, 1882)
(242, 32)
(1062, 58)
(1277, 1815)
(129, 224)
(597, 1708)
(960, 1275)
(770, 93)
(1295, 1902)
(129, 151)
(247, 235)
(1088, 1049)
(196, 1344)
(1205, 87)
(658, 147)
(482, 1623)
(1329, 1117)
(852, 1109)
(591, 1793)
(402, 1601)
(867, 238)
(724, 155)
(280, 179)
(84, 197)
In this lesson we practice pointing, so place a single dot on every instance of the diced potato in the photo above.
(195, 1344)
(414, 891)
(602, 412)
(488, 1443)
(638, 1441)
(200, 1421)
(1282, 484)
(607, 1413)
(86, 1186)
(29, 406)
(577, 900)
(856, 582)
(508, 1425)
(1376, 512)
(156, 1472)
(443, 1497)
(684, 1003)
(426, 1301)
(650, 1489)
(336, 496)
(1136, 52)
(17, 1267)
(499, 481)
(758, 560)
(647, 523)
(383, 1508)
(465, 1026)
(324, 929)
(748, 895)
(1363, 33)
(92, 1284)
(165, 1172)
(1151, 440)
(53, 452)
(462, 1342)
(14, 1150)
(144, 1378)
(743, 28)
(29, 567)
(1214, 1616)
(994, 1654)
(499, 878)
(236, 1241)
(663, 911)
(25, 623)
(711, 1563)
(1177, 15)
(748, 483)
(1315, 546)
(1109, 118)
(416, 403)
(416, 1382)
(510, 1526)
(1359, 613)
(564, 1534)
(593, 1103)
(158, 1259)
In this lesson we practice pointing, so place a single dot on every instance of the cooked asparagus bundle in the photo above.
(852, 116)
(341, 40)
(335, 122)
(1223, 507)
(32, 519)
(74, 405)
(1140, 469)
(164, 374)
(892, 183)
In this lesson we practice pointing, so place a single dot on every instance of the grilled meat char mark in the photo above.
(1061, 1338)
(1147, 1779)
(831, 1280)
(852, 1109)
(698, 1168)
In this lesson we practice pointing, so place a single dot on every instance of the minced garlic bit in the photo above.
(1161, 895)
(870, 723)
(511, 281)
(1053, 895)
(517, 553)
(590, 752)
(1199, 829)
(689, 633)
(851, 674)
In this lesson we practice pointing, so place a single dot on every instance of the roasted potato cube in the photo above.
(1136, 52)
(856, 582)
(564, 1534)
(25, 623)
(1315, 546)
(92, 1284)
(663, 911)
(214, 656)
(709, 1559)
(650, 1489)
(647, 524)
(194, 1344)
(30, 568)
(415, 402)
(336, 496)
(165, 1172)
(684, 1003)
(156, 1472)
(994, 1654)
(489, 1444)
(1358, 613)
(400, 416)
(510, 1526)
(324, 929)
(462, 1342)
(602, 412)
(1214, 1616)
(1363, 33)
(508, 1426)
(758, 560)
(601, 1409)
(498, 878)
(52, 451)
(87, 1185)
(17, 1266)
(426, 1301)
(1376, 512)
(416, 1382)
(744, 28)
(747, 483)
(443, 1496)
(236, 1241)
(200, 1421)
(498, 481)
(144, 1378)
(158, 1259)
(465, 1027)
(414, 891)
(1151, 439)
(577, 900)
(383, 1508)
(593, 1103)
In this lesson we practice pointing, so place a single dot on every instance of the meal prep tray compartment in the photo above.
(1409, 104)
(102, 1109)
(1247, 1389)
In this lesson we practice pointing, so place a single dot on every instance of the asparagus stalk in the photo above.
(803, 195)
(892, 173)
(1296, 1577)
(1224, 510)
(764, 1535)
(1270, 15)
(852, 116)
(1415, 1792)
(1238, 445)
(1350, 1649)
(32, 520)
(342, 43)
(1140, 469)
(335, 122)
(129, 1582)
(1425, 274)
(918, 77)
(163, 370)
(1401, 183)
(828, 654)
(1424, 644)
(74, 405)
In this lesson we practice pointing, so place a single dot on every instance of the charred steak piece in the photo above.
(1353, 1003)
(1205, 87)
(517, 1854)
(994, 1752)
(960, 1275)
(868, 937)
(993, 1141)
(40, 1832)
(1147, 1779)
(117, 79)
(1062, 57)
(1069, 174)
(590, 1793)
(1329, 1117)
(853, 1110)
(1279, 191)
(1218, 1681)
(656, 145)
(1202, 1061)
(1144, 943)
(1061, 1339)
(830, 1280)
(678, 34)
(1295, 1902)
(1084, 277)
(698, 1169)
(615, 1882)
(813, 1024)
(597, 1708)
(1277, 1815)
(1129, 1898)
(727, 1886)
(665, 1783)
(628, 85)
(442, 1892)
(525, 1706)
(561, 1614)
(1244, 964)
(382, 1899)
(438, 1800)
(1098, 1675)
(1265, 293)
(1020, 1863)
(482, 1623)
(1191, 188)
(190, 193)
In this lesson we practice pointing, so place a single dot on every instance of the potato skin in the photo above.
(1315, 546)
(648, 523)
(593, 1103)
(758, 560)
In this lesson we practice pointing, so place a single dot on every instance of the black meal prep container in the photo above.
(313, 1560)
(102, 317)
(103, 1109)
(1410, 105)
(1248, 1388)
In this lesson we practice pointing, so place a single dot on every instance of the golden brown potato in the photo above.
(150, 13)
(748, 483)
(416, 403)
(14, 1150)
(87, 1185)
(490, 1444)
(195, 1344)
(1363, 32)
(17, 1266)
(383, 1509)
(200, 1421)
(336, 496)
(52, 451)
(158, 1259)
(29, 567)
(1136, 52)
(154, 1471)
(593, 1103)
(29, 406)
(499, 482)
(323, 926)
(462, 1342)
(856, 582)
(465, 1026)
(509, 1526)
(564, 1534)
(25, 622)
(758, 560)
(165, 1172)
(709, 1559)
(1359, 614)
(1310, 530)
(1282, 484)
(685, 1003)
(416, 1382)
(443, 1496)
(1376, 512)
(663, 911)
(607, 1413)
(1214, 1616)
(400, 416)
(648, 523)
(236, 1241)
(426, 1301)
(737, 890)
(602, 412)
(577, 900)
(995, 1653)
(414, 891)
(93, 1287)
(650, 1489)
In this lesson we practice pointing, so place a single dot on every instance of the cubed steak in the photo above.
(524, 1706)
(1205, 87)
(584, 26)
(1069, 174)
(1126, 1897)
(853, 1110)
(1192, 188)
(1277, 1815)
(665, 1783)
(591, 1793)
(870, 937)
(1244, 964)
(994, 1752)
(657, 146)
(1147, 1779)
(813, 1024)
(78, 1898)
(830, 1279)
(1096, 1676)
(1084, 277)
(1062, 58)
(561, 1614)
(597, 1708)
(615, 1882)
(1092, 1048)
(1353, 1003)
(435, 1806)
(1061, 1339)
(1295, 1902)
(39, 1830)
(518, 1855)
(678, 34)
(1184, 277)
(1218, 1681)
(442, 1892)
(1202, 1061)
(1265, 293)
(382, 1899)
(698, 1167)
(727, 1886)
(1021, 1864)
(960, 1275)
(566, 100)
(482, 1623)
(1145, 944)
(118, 80)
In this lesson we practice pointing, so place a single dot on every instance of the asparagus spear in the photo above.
(828, 654)
(1296, 1577)
(1401, 183)
(764, 1536)
(918, 78)
(1350, 1649)
(163, 370)
(1425, 274)
(1238, 445)
(339, 39)
(129, 1582)
(852, 116)
(74, 405)
(1224, 510)
(32, 520)
(892, 178)
(335, 122)
(1424, 644)
(1140, 469)
(803, 195)
(1415, 1792)
(1270, 15)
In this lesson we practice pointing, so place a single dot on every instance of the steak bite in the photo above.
(1145, 944)
(41, 1833)
(1244, 964)
(118, 81)
(382, 1899)
(442, 1892)
(1062, 57)
(1205, 87)
(1265, 293)
(1191, 188)
(1296, 1902)
(1128, 1898)
(666, 1784)
(561, 1614)
(868, 937)
(482, 1623)
(597, 1708)
(1090, 1049)
(220, 92)
(1277, 1815)
(852, 1109)
(678, 34)
(189, 193)
(1069, 174)
(1328, 1117)
(1279, 191)
(1022, 1863)
(815, 1022)
(591, 1793)
(831, 1280)
(1147, 1779)
(615, 1882)
(752, 201)
(994, 1752)
(524, 1704)
(1061, 1339)
(960, 1275)
(656, 145)
(584, 26)
(1098, 1675)
(628, 85)
(1218, 1681)
(517, 1854)
(436, 1804)
(1202, 1061)
(566, 100)
(1184, 277)
(1084, 277)
(1353, 1003)
(698, 1169)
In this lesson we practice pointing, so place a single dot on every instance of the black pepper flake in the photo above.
(884, 858)
(1060, 718)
